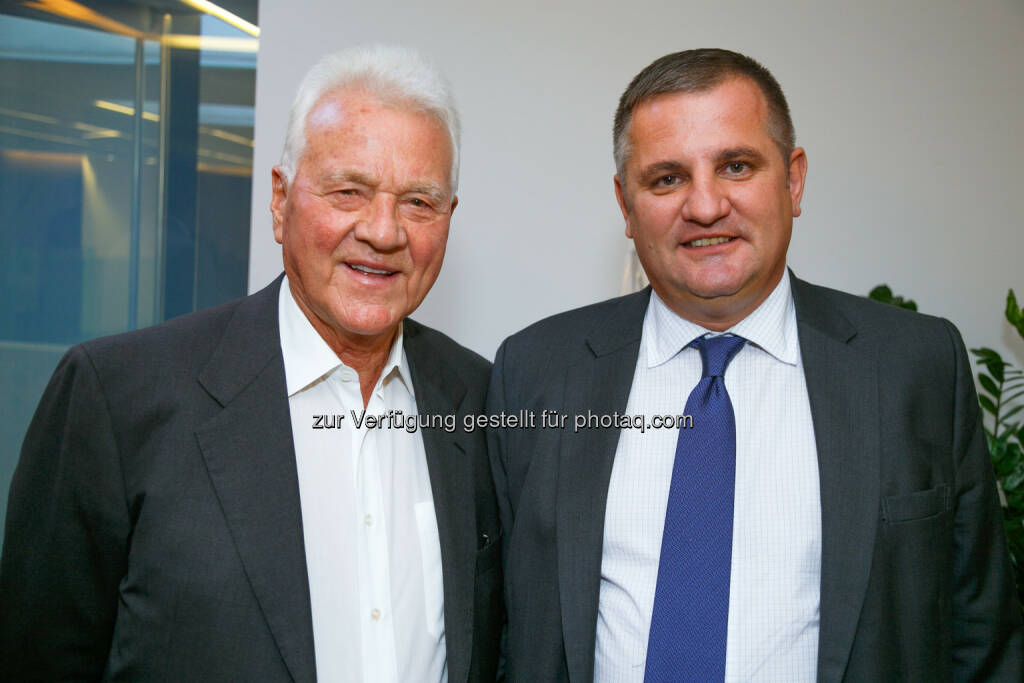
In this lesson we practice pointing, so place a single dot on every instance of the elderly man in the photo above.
(271, 490)
(826, 509)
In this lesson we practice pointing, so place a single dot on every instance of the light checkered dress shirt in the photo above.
(776, 552)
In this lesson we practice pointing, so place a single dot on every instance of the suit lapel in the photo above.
(439, 391)
(599, 384)
(251, 461)
(842, 385)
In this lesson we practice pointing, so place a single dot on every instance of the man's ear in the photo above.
(620, 197)
(797, 176)
(278, 200)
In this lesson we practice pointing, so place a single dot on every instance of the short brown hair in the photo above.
(695, 71)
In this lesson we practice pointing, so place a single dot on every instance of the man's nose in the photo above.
(380, 226)
(706, 202)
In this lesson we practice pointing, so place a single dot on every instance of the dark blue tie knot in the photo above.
(716, 352)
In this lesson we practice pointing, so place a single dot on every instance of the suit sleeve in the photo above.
(65, 544)
(988, 638)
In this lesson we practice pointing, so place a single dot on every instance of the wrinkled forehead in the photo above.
(358, 115)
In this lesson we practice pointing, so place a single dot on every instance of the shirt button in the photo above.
(375, 614)
(347, 375)
(368, 520)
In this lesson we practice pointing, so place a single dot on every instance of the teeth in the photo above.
(368, 269)
(709, 242)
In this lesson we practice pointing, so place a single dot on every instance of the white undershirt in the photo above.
(372, 550)
(776, 546)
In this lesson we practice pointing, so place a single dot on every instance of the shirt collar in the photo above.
(771, 327)
(307, 357)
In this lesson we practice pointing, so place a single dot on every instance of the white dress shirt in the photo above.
(776, 543)
(372, 549)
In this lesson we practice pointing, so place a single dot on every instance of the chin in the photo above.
(376, 329)
(368, 323)
(716, 283)
(714, 290)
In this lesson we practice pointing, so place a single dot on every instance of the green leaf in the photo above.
(1013, 481)
(908, 304)
(1012, 309)
(989, 384)
(985, 352)
(996, 367)
(1012, 381)
(884, 294)
(1012, 397)
(987, 403)
(1013, 313)
(1004, 469)
(992, 361)
(881, 293)
(1010, 413)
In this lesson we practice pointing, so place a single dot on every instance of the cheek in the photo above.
(652, 219)
(767, 203)
(427, 250)
(313, 227)
(325, 236)
(322, 233)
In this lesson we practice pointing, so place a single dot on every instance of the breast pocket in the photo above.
(919, 505)
(433, 578)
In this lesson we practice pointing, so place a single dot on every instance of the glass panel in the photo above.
(125, 178)
(226, 91)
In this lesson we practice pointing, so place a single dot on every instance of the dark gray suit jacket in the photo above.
(154, 530)
(915, 580)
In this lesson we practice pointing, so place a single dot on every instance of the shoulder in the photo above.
(902, 341)
(181, 347)
(176, 337)
(532, 359)
(617, 319)
(859, 309)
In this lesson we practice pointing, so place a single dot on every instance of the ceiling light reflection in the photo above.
(225, 16)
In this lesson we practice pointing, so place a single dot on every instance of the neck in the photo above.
(720, 313)
(366, 354)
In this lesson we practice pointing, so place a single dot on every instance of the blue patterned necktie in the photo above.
(691, 603)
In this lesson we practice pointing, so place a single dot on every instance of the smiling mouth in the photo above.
(708, 242)
(367, 270)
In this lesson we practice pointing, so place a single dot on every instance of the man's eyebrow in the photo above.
(658, 168)
(431, 189)
(734, 153)
(349, 175)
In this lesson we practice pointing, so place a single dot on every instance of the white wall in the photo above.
(912, 115)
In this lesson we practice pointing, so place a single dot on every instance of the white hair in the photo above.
(397, 76)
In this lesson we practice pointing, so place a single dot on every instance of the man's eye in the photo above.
(349, 195)
(736, 167)
(419, 209)
(347, 198)
(667, 180)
